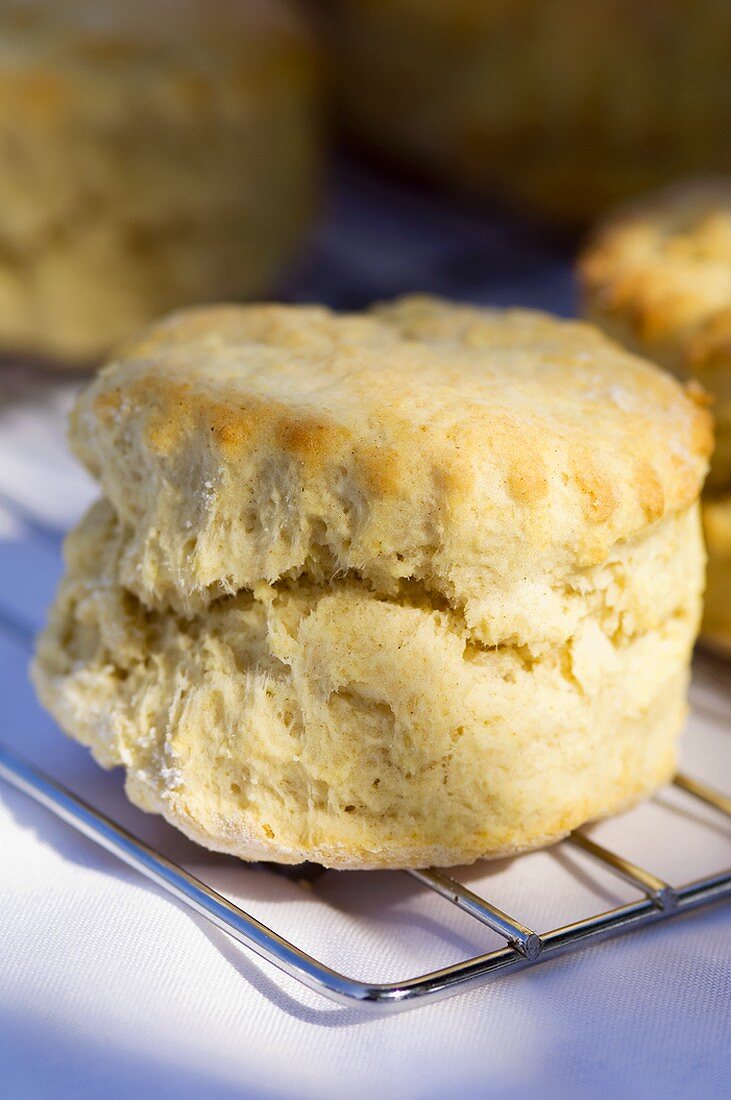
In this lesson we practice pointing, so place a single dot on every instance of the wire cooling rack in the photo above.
(379, 240)
(523, 946)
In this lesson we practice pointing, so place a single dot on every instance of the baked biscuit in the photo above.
(717, 612)
(414, 586)
(565, 106)
(152, 154)
(657, 277)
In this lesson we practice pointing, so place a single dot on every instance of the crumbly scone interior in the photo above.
(293, 715)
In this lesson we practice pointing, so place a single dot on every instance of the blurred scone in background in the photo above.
(153, 153)
(657, 277)
(562, 106)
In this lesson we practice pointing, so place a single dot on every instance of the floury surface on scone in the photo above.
(413, 586)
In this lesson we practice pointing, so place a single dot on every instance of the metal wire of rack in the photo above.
(523, 946)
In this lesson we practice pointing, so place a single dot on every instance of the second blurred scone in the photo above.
(151, 155)
(566, 106)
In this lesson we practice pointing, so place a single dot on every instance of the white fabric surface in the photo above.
(107, 988)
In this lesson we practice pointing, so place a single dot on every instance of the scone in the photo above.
(717, 614)
(564, 106)
(413, 586)
(657, 277)
(153, 153)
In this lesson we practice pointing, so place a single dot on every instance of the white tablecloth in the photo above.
(107, 988)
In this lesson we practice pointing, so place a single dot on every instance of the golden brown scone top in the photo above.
(471, 449)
